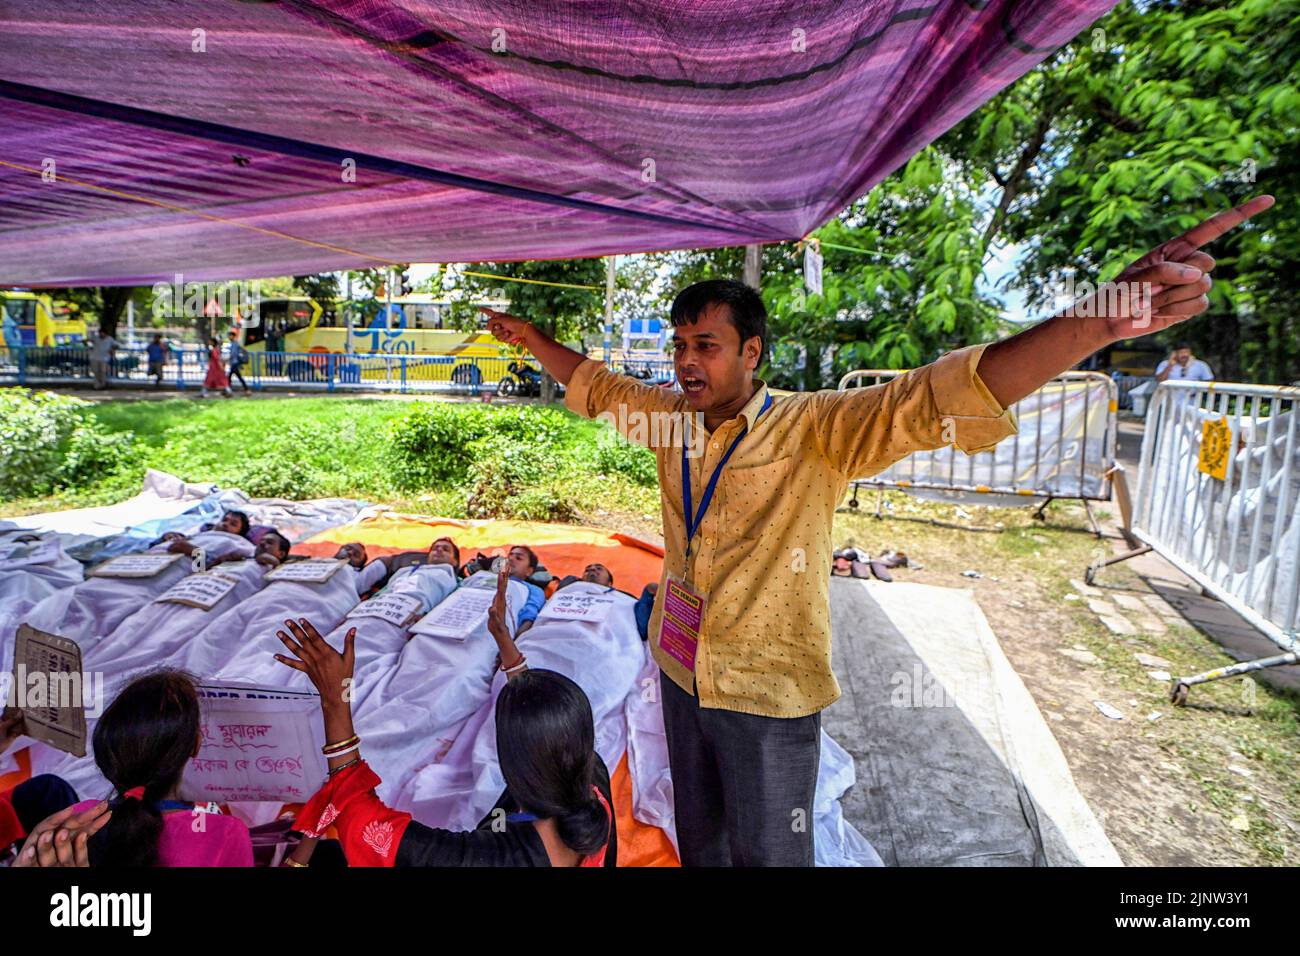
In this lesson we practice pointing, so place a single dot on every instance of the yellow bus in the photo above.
(39, 320)
(414, 330)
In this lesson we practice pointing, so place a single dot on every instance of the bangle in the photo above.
(512, 666)
(343, 752)
(518, 666)
(290, 861)
(339, 746)
(344, 766)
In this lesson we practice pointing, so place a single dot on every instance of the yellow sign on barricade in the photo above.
(1216, 446)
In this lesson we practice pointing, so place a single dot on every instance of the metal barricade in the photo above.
(1218, 497)
(1065, 448)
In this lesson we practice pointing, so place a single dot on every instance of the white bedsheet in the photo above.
(240, 644)
(603, 658)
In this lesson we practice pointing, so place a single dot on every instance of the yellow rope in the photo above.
(562, 285)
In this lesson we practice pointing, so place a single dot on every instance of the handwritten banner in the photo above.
(570, 604)
(397, 609)
(463, 612)
(200, 590)
(134, 566)
(257, 744)
(311, 571)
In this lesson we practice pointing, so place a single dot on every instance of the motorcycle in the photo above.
(520, 379)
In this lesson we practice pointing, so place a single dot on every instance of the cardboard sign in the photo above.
(47, 687)
(21, 554)
(256, 744)
(200, 590)
(397, 609)
(134, 566)
(571, 604)
(235, 569)
(311, 571)
(459, 615)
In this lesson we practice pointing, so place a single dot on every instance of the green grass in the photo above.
(333, 447)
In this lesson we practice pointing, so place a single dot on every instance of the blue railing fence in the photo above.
(185, 368)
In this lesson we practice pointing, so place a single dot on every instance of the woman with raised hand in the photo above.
(556, 810)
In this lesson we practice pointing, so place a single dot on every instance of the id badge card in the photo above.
(679, 631)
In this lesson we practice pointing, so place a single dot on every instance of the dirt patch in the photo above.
(1212, 783)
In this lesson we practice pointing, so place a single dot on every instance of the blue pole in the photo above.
(329, 370)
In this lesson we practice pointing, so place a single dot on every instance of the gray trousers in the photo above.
(743, 785)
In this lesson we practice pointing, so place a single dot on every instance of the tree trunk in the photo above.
(548, 388)
(812, 366)
(113, 301)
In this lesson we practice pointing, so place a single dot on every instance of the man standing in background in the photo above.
(101, 357)
(1181, 365)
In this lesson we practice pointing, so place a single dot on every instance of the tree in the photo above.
(105, 305)
(562, 312)
(1164, 113)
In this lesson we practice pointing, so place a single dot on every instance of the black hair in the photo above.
(243, 522)
(283, 540)
(454, 548)
(144, 739)
(1182, 345)
(546, 748)
(744, 304)
(532, 555)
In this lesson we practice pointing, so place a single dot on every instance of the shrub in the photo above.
(541, 504)
(427, 448)
(49, 442)
(502, 469)
(92, 454)
(434, 445)
(614, 455)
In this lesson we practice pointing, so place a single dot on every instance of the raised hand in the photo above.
(328, 670)
(1170, 283)
(61, 839)
(497, 612)
(504, 326)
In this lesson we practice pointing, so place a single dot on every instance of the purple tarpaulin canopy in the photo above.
(214, 137)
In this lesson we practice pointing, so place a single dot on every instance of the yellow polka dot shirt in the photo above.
(762, 554)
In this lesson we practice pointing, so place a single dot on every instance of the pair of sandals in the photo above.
(855, 563)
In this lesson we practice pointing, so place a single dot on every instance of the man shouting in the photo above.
(741, 624)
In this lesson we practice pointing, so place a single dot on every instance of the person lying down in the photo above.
(383, 623)
(90, 611)
(585, 632)
(411, 705)
(158, 634)
(237, 645)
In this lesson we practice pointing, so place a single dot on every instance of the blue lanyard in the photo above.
(695, 519)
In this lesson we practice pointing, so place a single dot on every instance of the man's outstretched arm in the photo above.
(1166, 286)
(559, 360)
